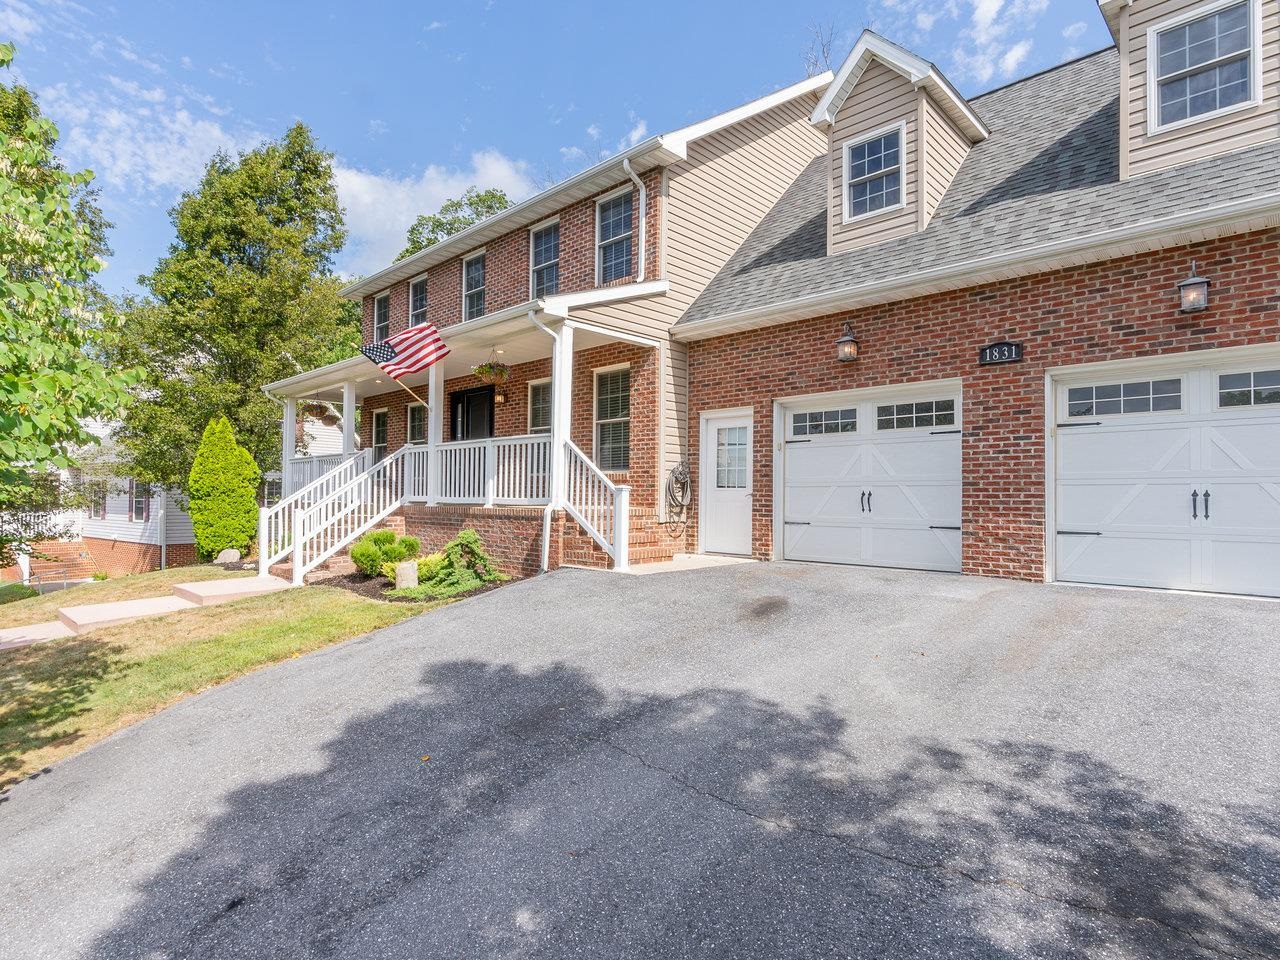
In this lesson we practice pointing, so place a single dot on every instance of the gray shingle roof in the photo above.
(1049, 171)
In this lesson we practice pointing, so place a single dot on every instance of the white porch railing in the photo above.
(500, 470)
(303, 471)
(275, 523)
(598, 504)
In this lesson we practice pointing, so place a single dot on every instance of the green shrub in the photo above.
(16, 591)
(223, 490)
(461, 567)
(428, 567)
(375, 551)
(101, 575)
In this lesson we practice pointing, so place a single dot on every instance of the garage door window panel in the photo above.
(818, 422)
(1257, 388)
(1139, 396)
(910, 416)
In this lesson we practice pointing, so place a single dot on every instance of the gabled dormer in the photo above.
(897, 132)
(1198, 78)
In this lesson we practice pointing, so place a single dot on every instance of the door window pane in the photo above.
(732, 446)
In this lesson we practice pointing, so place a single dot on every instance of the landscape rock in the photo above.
(406, 574)
(228, 556)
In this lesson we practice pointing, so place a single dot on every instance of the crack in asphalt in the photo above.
(926, 866)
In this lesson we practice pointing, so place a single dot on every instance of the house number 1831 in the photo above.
(1003, 352)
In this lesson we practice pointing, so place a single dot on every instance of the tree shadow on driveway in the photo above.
(554, 819)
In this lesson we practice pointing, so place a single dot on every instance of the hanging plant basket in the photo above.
(492, 372)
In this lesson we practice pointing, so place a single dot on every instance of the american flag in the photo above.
(408, 351)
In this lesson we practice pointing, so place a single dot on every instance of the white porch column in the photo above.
(561, 406)
(435, 429)
(289, 443)
(348, 418)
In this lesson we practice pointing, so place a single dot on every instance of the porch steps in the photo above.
(91, 616)
(207, 593)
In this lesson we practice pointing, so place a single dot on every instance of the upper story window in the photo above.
(473, 287)
(1204, 65)
(544, 263)
(381, 318)
(540, 406)
(140, 502)
(873, 173)
(97, 492)
(613, 238)
(417, 301)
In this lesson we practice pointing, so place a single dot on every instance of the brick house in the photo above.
(1031, 334)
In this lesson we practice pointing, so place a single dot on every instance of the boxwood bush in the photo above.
(376, 550)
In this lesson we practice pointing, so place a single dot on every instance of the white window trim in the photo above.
(409, 297)
(1248, 410)
(528, 419)
(1154, 126)
(901, 128)
(600, 201)
(474, 254)
(373, 430)
(426, 427)
(595, 419)
(134, 487)
(1063, 415)
(386, 297)
(536, 228)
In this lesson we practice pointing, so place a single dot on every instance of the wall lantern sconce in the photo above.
(1194, 292)
(847, 345)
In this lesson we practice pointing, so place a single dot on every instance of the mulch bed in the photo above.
(373, 587)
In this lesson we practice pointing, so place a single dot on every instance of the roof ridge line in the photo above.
(1041, 73)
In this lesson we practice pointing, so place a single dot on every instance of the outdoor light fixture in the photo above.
(847, 345)
(1194, 292)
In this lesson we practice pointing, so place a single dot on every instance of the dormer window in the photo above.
(1203, 66)
(873, 173)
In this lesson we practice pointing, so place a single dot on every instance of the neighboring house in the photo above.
(1031, 334)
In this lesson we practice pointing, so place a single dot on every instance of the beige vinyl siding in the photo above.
(711, 203)
(881, 97)
(944, 148)
(1143, 153)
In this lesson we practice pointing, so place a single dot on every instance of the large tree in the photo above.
(53, 378)
(453, 216)
(246, 296)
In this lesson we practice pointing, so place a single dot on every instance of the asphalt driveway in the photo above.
(754, 761)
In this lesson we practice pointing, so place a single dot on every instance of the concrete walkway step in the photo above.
(90, 616)
(14, 637)
(206, 593)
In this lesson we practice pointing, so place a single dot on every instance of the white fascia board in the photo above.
(559, 305)
(334, 372)
(1111, 10)
(678, 140)
(1240, 216)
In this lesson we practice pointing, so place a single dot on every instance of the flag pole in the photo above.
(412, 394)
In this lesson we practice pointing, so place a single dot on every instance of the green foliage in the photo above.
(453, 217)
(463, 566)
(244, 297)
(101, 575)
(374, 551)
(10, 592)
(53, 380)
(223, 489)
(428, 567)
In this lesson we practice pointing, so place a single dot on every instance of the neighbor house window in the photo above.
(1249, 389)
(97, 492)
(418, 302)
(540, 407)
(272, 491)
(473, 287)
(1142, 396)
(139, 501)
(613, 419)
(1204, 66)
(905, 416)
(545, 261)
(381, 318)
(416, 418)
(873, 174)
(379, 435)
(613, 238)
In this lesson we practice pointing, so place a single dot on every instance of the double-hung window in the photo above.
(139, 501)
(473, 287)
(613, 419)
(540, 406)
(873, 174)
(417, 301)
(1204, 65)
(381, 318)
(416, 420)
(544, 263)
(380, 444)
(613, 238)
(97, 490)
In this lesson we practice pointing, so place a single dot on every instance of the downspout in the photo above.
(164, 529)
(626, 166)
(551, 501)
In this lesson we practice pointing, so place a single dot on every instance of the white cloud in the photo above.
(132, 88)
(127, 51)
(998, 36)
(380, 207)
(18, 21)
(570, 154)
(1075, 31)
(1013, 57)
(377, 128)
(593, 131)
(635, 134)
(925, 20)
(435, 25)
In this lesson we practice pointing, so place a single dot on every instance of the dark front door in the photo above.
(471, 413)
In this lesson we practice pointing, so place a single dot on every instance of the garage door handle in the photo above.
(1206, 504)
(869, 510)
(864, 501)
(1195, 499)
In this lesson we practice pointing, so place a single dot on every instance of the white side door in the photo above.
(726, 485)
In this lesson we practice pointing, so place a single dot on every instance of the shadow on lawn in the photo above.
(553, 819)
(41, 688)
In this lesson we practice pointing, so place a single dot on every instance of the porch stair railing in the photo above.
(601, 507)
(275, 523)
(330, 523)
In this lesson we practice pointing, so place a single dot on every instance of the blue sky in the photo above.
(419, 100)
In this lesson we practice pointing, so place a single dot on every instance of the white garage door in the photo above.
(1171, 480)
(874, 482)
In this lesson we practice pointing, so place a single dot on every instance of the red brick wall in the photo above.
(1126, 308)
(116, 557)
(65, 557)
(507, 264)
(511, 535)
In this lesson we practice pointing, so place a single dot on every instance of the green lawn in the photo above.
(58, 698)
